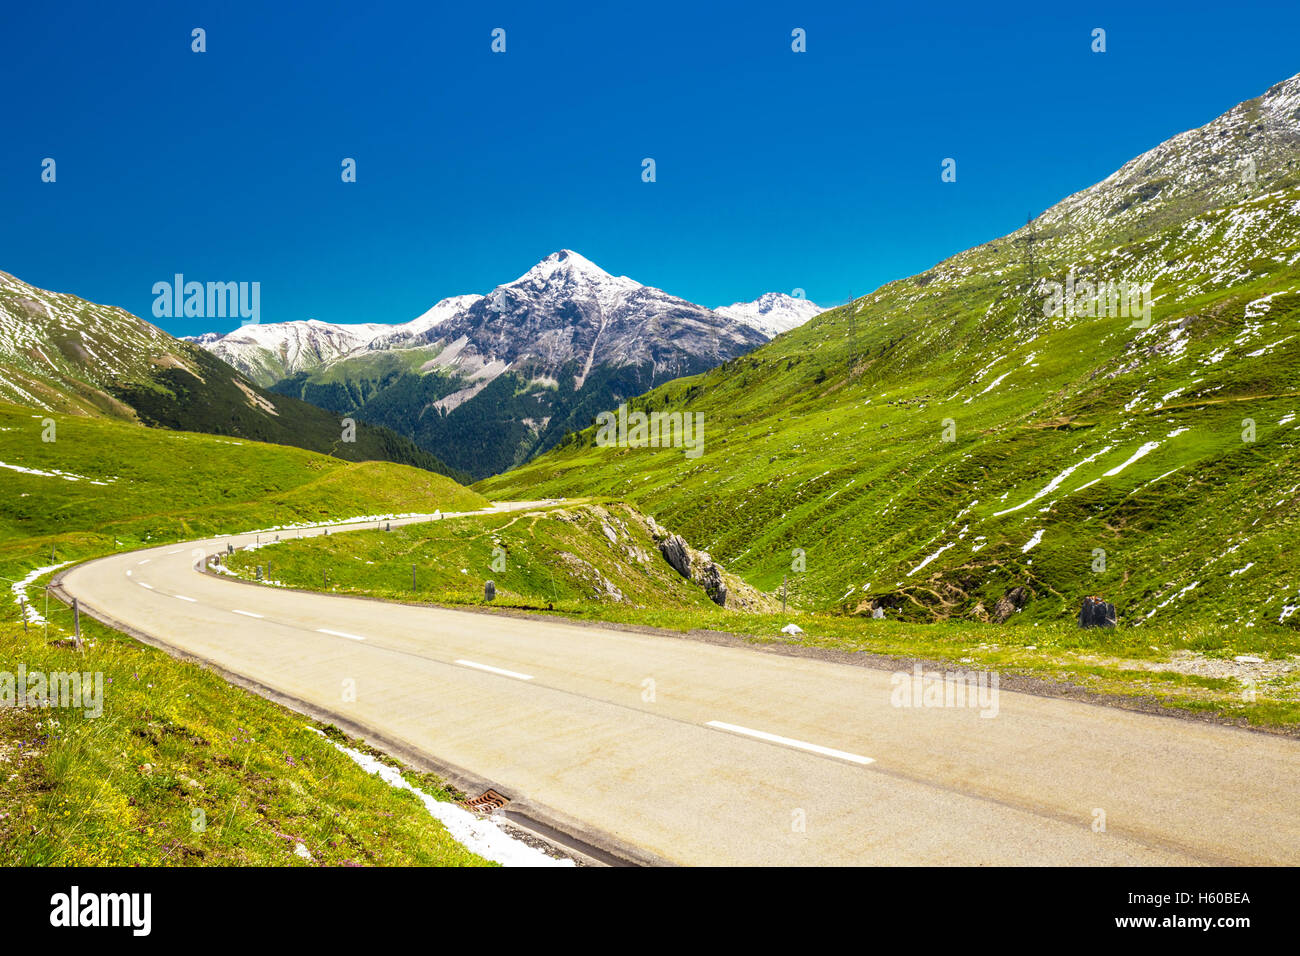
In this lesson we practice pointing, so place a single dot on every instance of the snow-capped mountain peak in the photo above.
(415, 331)
(568, 273)
(563, 307)
(569, 264)
(772, 313)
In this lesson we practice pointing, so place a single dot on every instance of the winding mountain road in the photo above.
(658, 748)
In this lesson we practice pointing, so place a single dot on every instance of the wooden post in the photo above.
(22, 606)
(76, 623)
(324, 579)
(412, 577)
(783, 580)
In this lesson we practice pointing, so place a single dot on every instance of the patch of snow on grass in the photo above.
(1140, 453)
(19, 589)
(1055, 482)
(929, 559)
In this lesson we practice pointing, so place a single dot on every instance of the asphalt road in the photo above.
(676, 750)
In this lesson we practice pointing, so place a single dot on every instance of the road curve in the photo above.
(666, 749)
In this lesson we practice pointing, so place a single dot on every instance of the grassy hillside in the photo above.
(102, 481)
(60, 353)
(577, 560)
(943, 441)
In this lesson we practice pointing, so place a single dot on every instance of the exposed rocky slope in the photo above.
(489, 381)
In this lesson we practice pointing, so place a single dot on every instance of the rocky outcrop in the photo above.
(1097, 613)
(677, 553)
(695, 566)
(1010, 602)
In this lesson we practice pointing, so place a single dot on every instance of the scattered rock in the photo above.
(1010, 602)
(792, 629)
(1097, 613)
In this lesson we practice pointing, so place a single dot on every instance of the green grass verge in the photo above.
(182, 768)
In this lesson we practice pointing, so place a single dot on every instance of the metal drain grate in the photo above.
(488, 801)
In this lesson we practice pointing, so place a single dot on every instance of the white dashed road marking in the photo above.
(351, 637)
(789, 742)
(495, 670)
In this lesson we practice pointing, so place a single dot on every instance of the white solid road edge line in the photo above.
(236, 610)
(801, 745)
(351, 637)
(143, 585)
(495, 670)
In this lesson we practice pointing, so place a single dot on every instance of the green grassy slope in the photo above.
(1070, 436)
(105, 480)
(576, 560)
(61, 353)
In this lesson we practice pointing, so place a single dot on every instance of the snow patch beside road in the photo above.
(484, 837)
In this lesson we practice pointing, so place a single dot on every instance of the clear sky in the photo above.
(775, 170)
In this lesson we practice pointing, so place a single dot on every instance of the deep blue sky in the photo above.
(776, 170)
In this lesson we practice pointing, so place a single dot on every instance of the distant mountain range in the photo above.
(485, 382)
(61, 353)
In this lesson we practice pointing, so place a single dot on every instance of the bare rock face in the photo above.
(677, 553)
(709, 576)
(1009, 604)
(695, 566)
(1097, 613)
